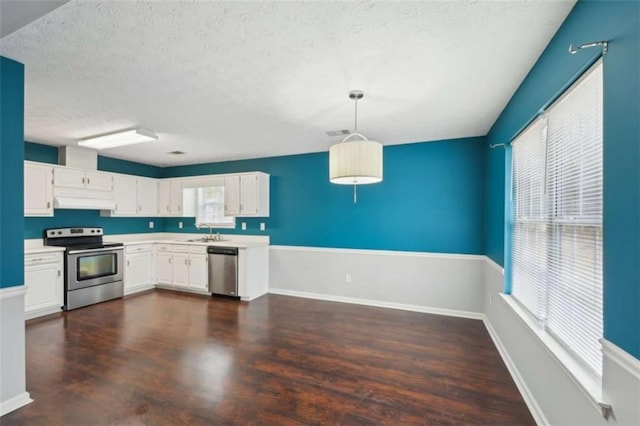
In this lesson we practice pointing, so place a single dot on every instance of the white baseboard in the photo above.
(378, 304)
(532, 404)
(41, 313)
(14, 403)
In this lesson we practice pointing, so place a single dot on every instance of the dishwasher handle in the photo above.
(225, 251)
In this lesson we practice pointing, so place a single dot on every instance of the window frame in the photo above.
(566, 357)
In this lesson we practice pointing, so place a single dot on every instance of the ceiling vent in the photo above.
(176, 152)
(338, 132)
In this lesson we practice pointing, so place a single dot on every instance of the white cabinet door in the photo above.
(232, 195)
(44, 287)
(38, 190)
(164, 268)
(198, 272)
(125, 195)
(147, 197)
(99, 181)
(164, 197)
(248, 194)
(68, 178)
(176, 197)
(139, 270)
(181, 269)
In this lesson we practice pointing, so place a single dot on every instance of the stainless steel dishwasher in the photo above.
(223, 270)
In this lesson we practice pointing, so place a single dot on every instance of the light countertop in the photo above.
(240, 241)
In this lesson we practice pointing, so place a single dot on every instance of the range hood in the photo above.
(78, 203)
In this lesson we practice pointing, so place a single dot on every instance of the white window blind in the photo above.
(557, 219)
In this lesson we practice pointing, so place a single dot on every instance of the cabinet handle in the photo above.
(88, 181)
(185, 262)
(116, 207)
(37, 259)
(168, 208)
(179, 208)
(128, 264)
(59, 273)
(140, 208)
(83, 181)
(169, 260)
(48, 204)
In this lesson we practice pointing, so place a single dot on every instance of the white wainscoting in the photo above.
(551, 393)
(448, 284)
(13, 394)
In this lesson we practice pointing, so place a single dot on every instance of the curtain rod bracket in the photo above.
(603, 44)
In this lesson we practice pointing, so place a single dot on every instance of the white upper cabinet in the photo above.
(125, 195)
(232, 195)
(176, 197)
(147, 192)
(38, 189)
(164, 197)
(170, 197)
(99, 181)
(66, 177)
(246, 194)
(134, 196)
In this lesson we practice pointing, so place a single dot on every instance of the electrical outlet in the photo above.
(347, 278)
(151, 225)
(180, 224)
(262, 226)
(244, 226)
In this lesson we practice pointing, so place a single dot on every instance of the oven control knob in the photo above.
(59, 232)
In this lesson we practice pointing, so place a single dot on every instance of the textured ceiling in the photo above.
(230, 80)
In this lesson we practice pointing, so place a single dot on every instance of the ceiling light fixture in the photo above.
(122, 138)
(355, 161)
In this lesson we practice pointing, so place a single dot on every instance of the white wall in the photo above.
(425, 282)
(12, 350)
(551, 393)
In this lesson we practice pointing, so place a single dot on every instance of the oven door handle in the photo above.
(95, 250)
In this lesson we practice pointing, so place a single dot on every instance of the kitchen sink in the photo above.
(206, 240)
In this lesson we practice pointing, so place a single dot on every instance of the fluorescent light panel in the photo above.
(127, 137)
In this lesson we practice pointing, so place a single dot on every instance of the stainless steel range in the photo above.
(94, 269)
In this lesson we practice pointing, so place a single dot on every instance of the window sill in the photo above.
(590, 386)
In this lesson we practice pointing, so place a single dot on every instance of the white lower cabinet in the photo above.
(44, 278)
(181, 270)
(198, 268)
(164, 267)
(182, 266)
(138, 272)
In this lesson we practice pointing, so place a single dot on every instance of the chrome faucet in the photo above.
(206, 225)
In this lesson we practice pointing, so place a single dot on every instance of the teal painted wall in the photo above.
(34, 226)
(431, 199)
(618, 22)
(11, 172)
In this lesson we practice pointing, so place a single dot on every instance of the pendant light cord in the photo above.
(355, 125)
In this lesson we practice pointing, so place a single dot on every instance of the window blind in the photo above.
(557, 219)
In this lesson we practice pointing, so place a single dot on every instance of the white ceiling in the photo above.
(231, 80)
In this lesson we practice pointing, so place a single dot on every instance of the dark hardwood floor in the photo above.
(167, 358)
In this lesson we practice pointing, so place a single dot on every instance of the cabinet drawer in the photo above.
(163, 247)
(181, 249)
(42, 258)
(138, 248)
(198, 249)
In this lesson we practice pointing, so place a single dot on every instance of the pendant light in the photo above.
(356, 160)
